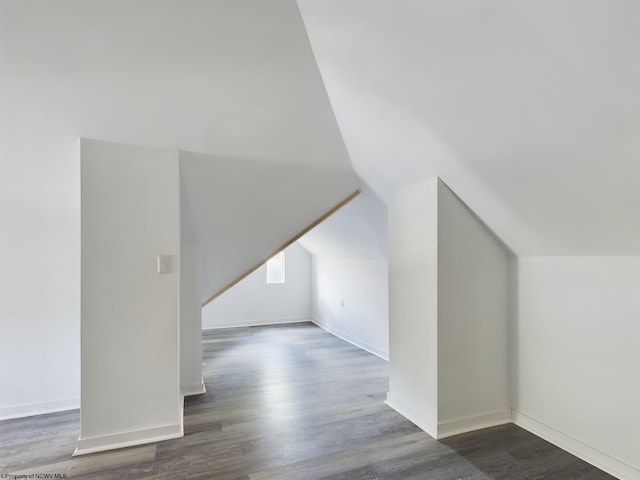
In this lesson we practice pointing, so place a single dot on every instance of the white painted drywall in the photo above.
(244, 210)
(473, 318)
(350, 298)
(350, 284)
(576, 352)
(191, 382)
(357, 230)
(413, 304)
(520, 106)
(254, 302)
(130, 313)
(449, 313)
(230, 78)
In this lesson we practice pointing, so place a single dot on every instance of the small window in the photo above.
(275, 269)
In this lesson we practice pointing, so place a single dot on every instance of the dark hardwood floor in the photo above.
(290, 402)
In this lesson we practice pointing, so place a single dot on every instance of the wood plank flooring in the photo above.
(290, 402)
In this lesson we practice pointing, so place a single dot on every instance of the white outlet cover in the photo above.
(164, 264)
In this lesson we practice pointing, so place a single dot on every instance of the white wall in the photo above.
(577, 357)
(413, 304)
(40, 278)
(350, 284)
(191, 382)
(448, 315)
(130, 331)
(236, 79)
(350, 298)
(254, 302)
(473, 319)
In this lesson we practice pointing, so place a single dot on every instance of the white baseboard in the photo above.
(413, 414)
(589, 454)
(193, 389)
(256, 323)
(353, 340)
(30, 409)
(470, 424)
(127, 439)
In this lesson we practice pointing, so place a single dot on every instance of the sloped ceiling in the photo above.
(241, 211)
(528, 109)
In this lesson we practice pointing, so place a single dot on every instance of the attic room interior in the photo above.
(471, 170)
